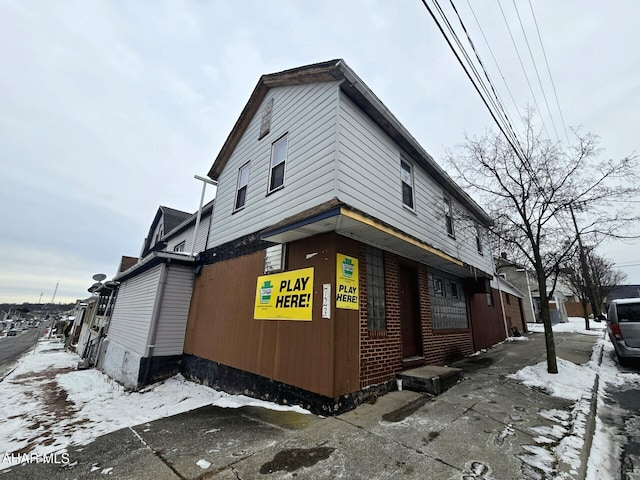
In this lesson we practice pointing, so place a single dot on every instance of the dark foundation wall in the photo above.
(319, 355)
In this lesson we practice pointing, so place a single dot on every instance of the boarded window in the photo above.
(448, 312)
(406, 175)
(265, 122)
(278, 160)
(375, 289)
(241, 189)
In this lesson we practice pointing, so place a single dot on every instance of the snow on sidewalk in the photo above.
(48, 405)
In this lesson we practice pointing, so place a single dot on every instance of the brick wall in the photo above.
(381, 351)
(440, 347)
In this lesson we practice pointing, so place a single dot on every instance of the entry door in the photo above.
(409, 313)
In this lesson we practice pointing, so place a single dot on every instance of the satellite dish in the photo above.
(93, 288)
(98, 277)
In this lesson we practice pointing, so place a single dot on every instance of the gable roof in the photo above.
(171, 218)
(365, 99)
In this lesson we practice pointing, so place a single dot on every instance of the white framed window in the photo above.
(406, 176)
(448, 216)
(180, 247)
(274, 258)
(438, 287)
(479, 240)
(241, 188)
(278, 161)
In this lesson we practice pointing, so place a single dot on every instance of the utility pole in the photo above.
(54, 292)
(585, 271)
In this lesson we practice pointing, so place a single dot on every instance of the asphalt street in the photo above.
(12, 347)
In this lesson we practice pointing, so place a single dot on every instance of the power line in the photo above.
(535, 68)
(553, 84)
(478, 84)
(522, 66)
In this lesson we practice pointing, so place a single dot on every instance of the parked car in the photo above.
(12, 333)
(623, 326)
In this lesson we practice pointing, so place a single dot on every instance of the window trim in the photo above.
(284, 137)
(180, 246)
(448, 216)
(411, 207)
(238, 187)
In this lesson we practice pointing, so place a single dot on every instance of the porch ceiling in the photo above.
(349, 223)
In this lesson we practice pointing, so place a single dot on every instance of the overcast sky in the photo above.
(108, 109)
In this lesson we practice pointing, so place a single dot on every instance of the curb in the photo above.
(590, 426)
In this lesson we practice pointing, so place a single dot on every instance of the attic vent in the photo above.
(274, 258)
(265, 124)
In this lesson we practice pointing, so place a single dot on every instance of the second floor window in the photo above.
(406, 175)
(278, 160)
(179, 247)
(241, 189)
(448, 216)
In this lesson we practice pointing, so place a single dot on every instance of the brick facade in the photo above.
(381, 351)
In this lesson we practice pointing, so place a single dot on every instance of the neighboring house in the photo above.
(526, 282)
(146, 334)
(341, 253)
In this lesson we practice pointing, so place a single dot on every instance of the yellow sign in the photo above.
(347, 286)
(285, 296)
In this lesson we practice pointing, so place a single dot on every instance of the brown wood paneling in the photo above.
(319, 356)
(487, 322)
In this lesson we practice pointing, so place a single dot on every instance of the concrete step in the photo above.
(430, 378)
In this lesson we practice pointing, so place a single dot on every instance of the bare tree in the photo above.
(573, 273)
(528, 188)
(605, 277)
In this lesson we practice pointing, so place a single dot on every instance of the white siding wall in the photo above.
(174, 311)
(369, 179)
(309, 114)
(187, 236)
(133, 309)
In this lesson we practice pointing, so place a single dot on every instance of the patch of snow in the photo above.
(573, 325)
(46, 398)
(571, 381)
(203, 464)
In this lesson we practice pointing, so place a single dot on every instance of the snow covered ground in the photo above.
(47, 405)
(575, 382)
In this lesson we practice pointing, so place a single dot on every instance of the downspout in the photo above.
(155, 317)
(504, 316)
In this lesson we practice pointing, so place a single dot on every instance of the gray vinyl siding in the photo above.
(174, 311)
(369, 180)
(308, 113)
(132, 312)
(187, 237)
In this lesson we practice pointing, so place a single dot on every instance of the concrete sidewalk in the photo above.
(486, 427)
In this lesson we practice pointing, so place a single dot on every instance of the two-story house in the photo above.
(145, 338)
(342, 253)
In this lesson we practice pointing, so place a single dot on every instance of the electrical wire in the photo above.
(544, 126)
(535, 68)
(553, 84)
